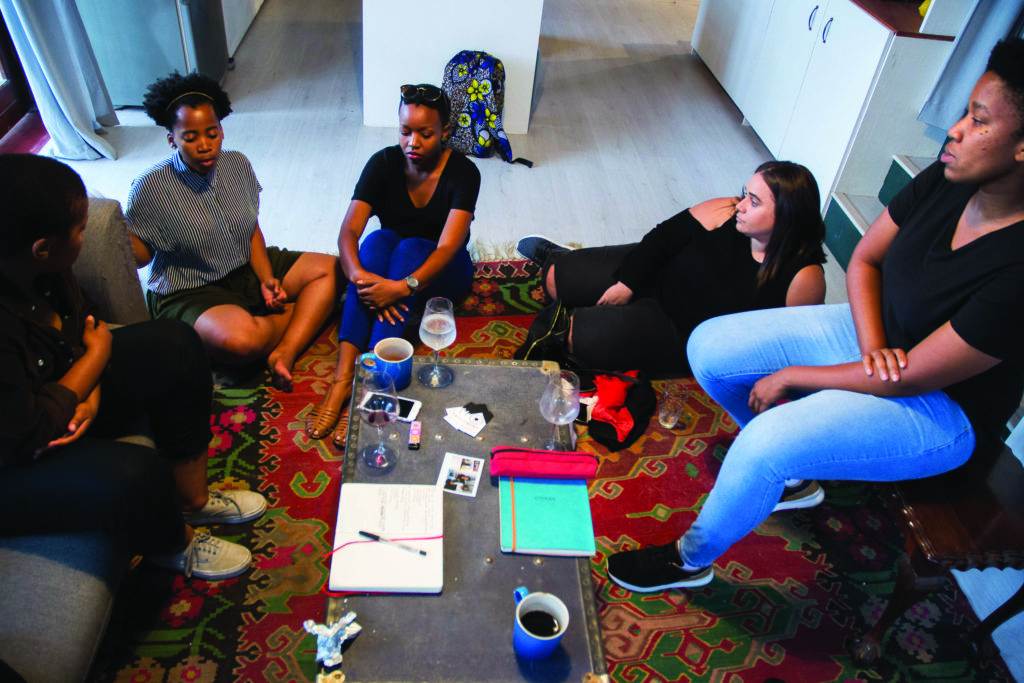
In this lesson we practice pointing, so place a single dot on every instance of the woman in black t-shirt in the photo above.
(424, 195)
(634, 306)
(923, 365)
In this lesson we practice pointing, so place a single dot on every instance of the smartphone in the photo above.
(408, 408)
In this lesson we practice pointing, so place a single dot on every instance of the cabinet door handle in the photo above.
(824, 31)
(810, 17)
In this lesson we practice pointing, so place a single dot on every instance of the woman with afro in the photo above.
(194, 216)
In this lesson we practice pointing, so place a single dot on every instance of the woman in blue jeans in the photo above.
(424, 195)
(925, 364)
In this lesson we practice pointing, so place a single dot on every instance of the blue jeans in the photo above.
(387, 254)
(830, 434)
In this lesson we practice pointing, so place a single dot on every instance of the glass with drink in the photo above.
(670, 407)
(378, 406)
(560, 403)
(437, 330)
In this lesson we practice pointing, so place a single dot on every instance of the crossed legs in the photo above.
(830, 434)
(234, 336)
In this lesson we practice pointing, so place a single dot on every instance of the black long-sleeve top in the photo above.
(697, 274)
(34, 355)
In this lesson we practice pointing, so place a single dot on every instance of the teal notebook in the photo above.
(545, 517)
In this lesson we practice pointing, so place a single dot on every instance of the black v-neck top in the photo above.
(382, 185)
(978, 288)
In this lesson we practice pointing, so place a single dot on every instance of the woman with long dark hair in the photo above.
(634, 306)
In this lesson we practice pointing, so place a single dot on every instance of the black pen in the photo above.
(381, 539)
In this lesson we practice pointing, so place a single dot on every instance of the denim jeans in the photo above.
(829, 434)
(387, 254)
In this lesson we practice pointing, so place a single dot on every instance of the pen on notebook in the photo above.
(381, 539)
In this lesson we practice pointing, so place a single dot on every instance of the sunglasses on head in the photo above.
(413, 94)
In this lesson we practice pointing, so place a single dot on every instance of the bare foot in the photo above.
(280, 362)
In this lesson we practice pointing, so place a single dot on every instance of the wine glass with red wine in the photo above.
(378, 407)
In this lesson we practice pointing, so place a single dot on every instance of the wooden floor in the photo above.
(628, 127)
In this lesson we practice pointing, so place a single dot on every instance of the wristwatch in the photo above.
(413, 283)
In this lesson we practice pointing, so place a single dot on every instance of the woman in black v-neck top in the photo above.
(424, 195)
(633, 306)
(921, 370)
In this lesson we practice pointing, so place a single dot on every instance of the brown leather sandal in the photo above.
(341, 431)
(320, 420)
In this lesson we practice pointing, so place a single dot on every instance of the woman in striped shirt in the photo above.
(194, 217)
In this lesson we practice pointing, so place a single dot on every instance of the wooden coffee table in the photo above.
(465, 633)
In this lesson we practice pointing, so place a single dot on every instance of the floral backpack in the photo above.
(475, 84)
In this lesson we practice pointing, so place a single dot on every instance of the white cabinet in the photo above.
(238, 15)
(777, 74)
(728, 35)
(845, 58)
(824, 83)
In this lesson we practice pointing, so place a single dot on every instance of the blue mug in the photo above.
(393, 357)
(541, 621)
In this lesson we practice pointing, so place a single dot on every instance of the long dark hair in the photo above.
(799, 231)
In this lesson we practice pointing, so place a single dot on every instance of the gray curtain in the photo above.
(990, 22)
(61, 69)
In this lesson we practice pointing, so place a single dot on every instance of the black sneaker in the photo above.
(538, 248)
(805, 494)
(653, 569)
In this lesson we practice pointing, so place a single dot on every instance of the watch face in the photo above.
(412, 282)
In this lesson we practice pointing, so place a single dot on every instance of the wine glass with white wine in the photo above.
(437, 330)
(560, 403)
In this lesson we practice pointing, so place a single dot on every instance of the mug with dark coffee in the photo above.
(541, 620)
(392, 356)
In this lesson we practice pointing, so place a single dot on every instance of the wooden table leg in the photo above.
(910, 588)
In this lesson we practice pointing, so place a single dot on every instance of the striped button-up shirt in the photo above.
(199, 227)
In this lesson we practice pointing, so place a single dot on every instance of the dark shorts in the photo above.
(240, 287)
(637, 335)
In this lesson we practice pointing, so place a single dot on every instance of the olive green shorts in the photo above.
(240, 287)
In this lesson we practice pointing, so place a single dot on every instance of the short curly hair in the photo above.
(42, 197)
(1007, 62)
(165, 95)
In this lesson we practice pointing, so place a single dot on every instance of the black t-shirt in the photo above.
(979, 288)
(382, 185)
(698, 274)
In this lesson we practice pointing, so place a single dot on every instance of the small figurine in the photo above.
(330, 638)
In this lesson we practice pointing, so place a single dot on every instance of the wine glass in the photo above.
(378, 406)
(560, 403)
(437, 330)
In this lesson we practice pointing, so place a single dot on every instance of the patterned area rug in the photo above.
(781, 607)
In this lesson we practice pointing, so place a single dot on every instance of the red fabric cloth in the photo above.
(611, 397)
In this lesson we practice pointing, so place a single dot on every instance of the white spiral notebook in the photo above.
(409, 515)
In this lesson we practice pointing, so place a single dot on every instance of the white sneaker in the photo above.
(229, 507)
(207, 557)
(799, 494)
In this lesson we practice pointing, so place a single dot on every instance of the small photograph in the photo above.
(460, 474)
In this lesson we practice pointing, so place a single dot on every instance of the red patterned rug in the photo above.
(783, 603)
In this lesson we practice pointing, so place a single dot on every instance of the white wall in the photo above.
(410, 41)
